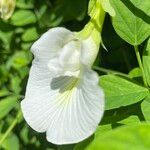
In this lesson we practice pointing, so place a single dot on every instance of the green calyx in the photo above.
(96, 10)
(94, 27)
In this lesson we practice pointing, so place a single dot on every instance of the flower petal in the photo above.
(66, 60)
(67, 108)
(51, 42)
(89, 51)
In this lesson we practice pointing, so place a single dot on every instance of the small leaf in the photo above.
(30, 35)
(146, 66)
(146, 108)
(130, 120)
(121, 92)
(102, 129)
(4, 92)
(6, 37)
(136, 72)
(6, 105)
(19, 59)
(11, 143)
(23, 17)
(15, 82)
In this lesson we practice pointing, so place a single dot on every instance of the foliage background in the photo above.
(127, 98)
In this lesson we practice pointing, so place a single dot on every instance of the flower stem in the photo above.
(140, 64)
(15, 121)
(108, 71)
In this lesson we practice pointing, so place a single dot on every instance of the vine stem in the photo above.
(140, 64)
(110, 71)
(15, 121)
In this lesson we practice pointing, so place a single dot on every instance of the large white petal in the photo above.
(68, 110)
(51, 42)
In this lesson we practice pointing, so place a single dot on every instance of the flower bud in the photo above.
(7, 8)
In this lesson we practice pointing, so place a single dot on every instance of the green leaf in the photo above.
(92, 7)
(145, 106)
(114, 119)
(146, 66)
(123, 138)
(11, 143)
(23, 17)
(122, 115)
(15, 82)
(19, 59)
(148, 47)
(6, 37)
(121, 92)
(131, 21)
(6, 105)
(82, 145)
(30, 35)
(26, 45)
(146, 62)
(136, 72)
(61, 12)
(25, 4)
(102, 129)
(107, 7)
(130, 120)
(24, 134)
(4, 92)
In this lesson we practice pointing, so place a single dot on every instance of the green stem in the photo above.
(108, 71)
(15, 121)
(140, 64)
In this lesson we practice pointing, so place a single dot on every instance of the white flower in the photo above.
(62, 97)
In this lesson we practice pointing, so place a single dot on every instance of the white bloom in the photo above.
(62, 97)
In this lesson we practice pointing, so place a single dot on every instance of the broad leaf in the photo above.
(25, 4)
(126, 137)
(6, 105)
(136, 72)
(23, 17)
(131, 22)
(121, 92)
(11, 143)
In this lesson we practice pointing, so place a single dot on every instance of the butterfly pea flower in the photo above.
(63, 97)
(7, 8)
